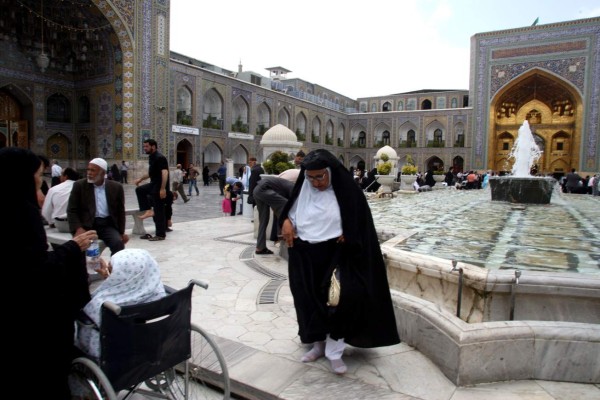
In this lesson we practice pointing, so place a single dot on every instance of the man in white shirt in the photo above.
(56, 172)
(177, 183)
(57, 198)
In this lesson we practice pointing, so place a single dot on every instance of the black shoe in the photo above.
(240, 213)
(264, 251)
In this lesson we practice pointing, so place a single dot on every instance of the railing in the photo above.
(436, 143)
(407, 144)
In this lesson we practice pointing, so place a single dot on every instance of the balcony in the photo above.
(212, 123)
(436, 143)
(407, 143)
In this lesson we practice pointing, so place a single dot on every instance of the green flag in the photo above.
(536, 21)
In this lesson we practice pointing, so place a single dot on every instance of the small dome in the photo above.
(279, 133)
(391, 153)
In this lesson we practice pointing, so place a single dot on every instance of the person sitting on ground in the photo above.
(99, 204)
(57, 199)
(429, 180)
(133, 277)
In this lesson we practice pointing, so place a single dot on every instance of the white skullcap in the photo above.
(290, 174)
(101, 163)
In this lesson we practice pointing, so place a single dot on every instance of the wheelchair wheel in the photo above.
(87, 381)
(205, 371)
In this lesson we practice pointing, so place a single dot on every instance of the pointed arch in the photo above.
(283, 117)
(263, 118)
(355, 133)
(301, 123)
(212, 110)
(239, 155)
(329, 132)
(58, 108)
(459, 135)
(341, 134)
(550, 103)
(240, 114)
(407, 135)
(381, 135)
(213, 154)
(356, 160)
(435, 134)
(434, 163)
(316, 130)
(184, 152)
(184, 106)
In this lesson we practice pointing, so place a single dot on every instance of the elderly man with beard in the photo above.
(97, 203)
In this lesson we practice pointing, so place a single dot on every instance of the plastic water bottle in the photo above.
(92, 256)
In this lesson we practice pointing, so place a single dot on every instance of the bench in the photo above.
(56, 237)
(138, 224)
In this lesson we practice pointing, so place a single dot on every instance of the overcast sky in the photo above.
(356, 48)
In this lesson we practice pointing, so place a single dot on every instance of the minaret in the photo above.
(240, 67)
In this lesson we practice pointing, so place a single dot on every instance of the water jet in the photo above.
(521, 186)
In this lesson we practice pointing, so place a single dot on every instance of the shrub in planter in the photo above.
(278, 163)
(409, 168)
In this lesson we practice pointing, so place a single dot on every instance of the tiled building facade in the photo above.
(110, 81)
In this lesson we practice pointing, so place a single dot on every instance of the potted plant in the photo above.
(409, 168)
(409, 173)
(384, 166)
(277, 164)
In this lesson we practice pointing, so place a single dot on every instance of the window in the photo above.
(386, 137)
(411, 140)
(559, 146)
(184, 107)
(255, 79)
(362, 139)
(505, 146)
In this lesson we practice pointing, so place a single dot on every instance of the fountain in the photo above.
(521, 187)
(492, 292)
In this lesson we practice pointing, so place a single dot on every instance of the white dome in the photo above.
(391, 153)
(279, 133)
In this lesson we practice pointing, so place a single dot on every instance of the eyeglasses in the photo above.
(318, 178)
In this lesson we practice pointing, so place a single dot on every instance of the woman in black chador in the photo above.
(326, 219)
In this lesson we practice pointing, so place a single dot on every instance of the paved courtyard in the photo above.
(249, 309)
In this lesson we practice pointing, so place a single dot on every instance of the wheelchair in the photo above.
(153, 350)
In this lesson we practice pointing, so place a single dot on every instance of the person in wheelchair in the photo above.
(132, 277)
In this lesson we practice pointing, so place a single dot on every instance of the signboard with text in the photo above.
(188, 130)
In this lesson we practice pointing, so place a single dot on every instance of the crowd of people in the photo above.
(318, 209)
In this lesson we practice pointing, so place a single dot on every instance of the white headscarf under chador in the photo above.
(316, 214)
